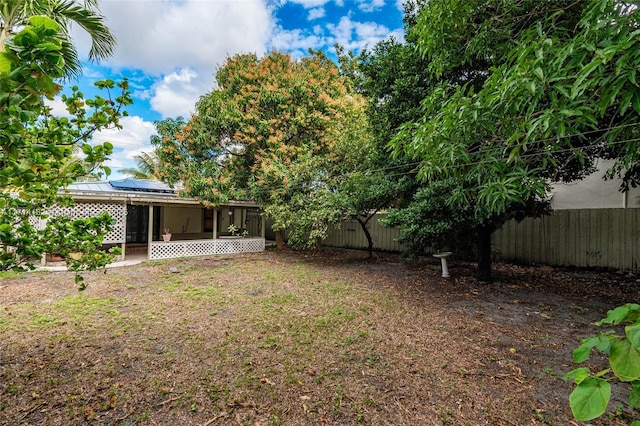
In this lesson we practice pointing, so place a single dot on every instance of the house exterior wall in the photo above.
(182, 220)
(225, 219)
(254, 222)
(593, 192)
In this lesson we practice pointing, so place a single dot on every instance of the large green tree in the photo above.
(531, 92)
(14, 14)
(395, 78)
(169, 135)
(274, 130)
(36, 150)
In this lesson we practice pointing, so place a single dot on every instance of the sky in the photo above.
(170, 50)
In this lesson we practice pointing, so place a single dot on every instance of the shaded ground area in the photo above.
(299, 339)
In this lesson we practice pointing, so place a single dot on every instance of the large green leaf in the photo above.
(6, 61)
(633, 333)
(589, 399)
(625, 360)
(44, 22)
(628, 312)
(634, 395)
(579, 374)
(602, 342)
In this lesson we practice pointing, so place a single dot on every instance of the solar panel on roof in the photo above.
(142, 186)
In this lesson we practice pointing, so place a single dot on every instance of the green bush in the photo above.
(592, 393)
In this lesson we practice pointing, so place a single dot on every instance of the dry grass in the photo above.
(291, 339)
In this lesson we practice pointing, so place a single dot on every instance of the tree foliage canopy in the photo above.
(15, 14)
(277, 130)
(36, 149)
(528, 93)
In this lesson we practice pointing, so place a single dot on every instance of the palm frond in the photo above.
(102, 41)
(16, 13)
(148, 167)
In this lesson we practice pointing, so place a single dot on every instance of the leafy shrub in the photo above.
(592, 393)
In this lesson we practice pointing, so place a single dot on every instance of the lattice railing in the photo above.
(190, 248)
(81, 210)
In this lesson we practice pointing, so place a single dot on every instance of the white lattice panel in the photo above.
(200, 248)
(36, 222)
(254, 245)
(229, 246)
(190, 248)
(81, 210)
(169, 250)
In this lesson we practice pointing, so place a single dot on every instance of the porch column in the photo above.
(150, 231)
(123, 245)
(215, 223)
(41, 225)
(263, 227)
(245, 218)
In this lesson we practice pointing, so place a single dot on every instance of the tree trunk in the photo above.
(367, 234)
(484, 253)
(279, 240)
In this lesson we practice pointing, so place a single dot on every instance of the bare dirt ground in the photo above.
(300, 339)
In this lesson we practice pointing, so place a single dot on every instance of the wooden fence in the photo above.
(349, 234)
(604, 238)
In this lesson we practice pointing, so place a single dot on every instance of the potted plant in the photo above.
(167, 235)
(233, 230)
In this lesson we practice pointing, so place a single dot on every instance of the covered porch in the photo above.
(146, 212)
(199, 231)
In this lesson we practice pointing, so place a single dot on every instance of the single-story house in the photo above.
(145, 211)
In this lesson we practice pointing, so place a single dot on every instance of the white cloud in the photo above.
(58, 108)
(128, 142)
(159, 37)
(299, 41)
(309, 4)
(316, 13)
(350, 34)
(357, 35)
(370, 5)
(176, 94)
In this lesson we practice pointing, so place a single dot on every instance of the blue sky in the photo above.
(170, 50)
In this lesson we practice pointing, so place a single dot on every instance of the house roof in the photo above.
(135, 192)
(142, 186)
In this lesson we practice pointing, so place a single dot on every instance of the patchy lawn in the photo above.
(298, 339)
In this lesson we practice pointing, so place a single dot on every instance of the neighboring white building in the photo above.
(593, 192)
